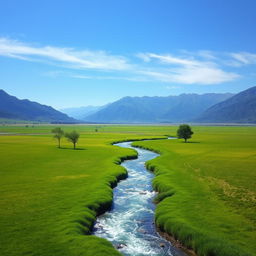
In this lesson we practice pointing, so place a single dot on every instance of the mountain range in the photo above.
(205, 108)
(180, 108)
(14, 108)
(240, 108)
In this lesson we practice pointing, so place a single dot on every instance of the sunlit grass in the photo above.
(49, 197)
(208, 189)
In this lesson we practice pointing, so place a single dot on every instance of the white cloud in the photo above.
(202, 75)
(207, 55)
(128, 78)
(172, 87)
(244, 58)
(67, 56)
(168, 59)
(201, 67)
(188, 70)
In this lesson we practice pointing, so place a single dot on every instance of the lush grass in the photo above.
(208, 189)
(119, 129)
(49, 197)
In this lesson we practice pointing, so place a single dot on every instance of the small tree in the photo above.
(184, 132)
(58, 134)
(73, 137)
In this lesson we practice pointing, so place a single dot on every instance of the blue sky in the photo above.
(78, 53)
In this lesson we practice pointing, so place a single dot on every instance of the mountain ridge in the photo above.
(241, 108)
(23, 109)
(147, 109)
(191, 107)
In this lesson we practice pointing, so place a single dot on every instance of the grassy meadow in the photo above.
(207, 189)
(49, 197)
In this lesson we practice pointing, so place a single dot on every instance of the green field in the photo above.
(49, 197)
(208, 189)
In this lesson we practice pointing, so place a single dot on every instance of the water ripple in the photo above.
(130, 224)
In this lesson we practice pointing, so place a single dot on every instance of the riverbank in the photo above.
(50, 197)
(205, 198)
(46, 192)
(176, 243)
(130, 223)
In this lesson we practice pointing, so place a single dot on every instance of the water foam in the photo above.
(130, 224)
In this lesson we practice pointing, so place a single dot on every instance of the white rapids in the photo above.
(129, 225)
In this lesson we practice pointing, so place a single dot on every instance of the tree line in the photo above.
(71, 136)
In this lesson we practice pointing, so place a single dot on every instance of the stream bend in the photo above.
(129, 225)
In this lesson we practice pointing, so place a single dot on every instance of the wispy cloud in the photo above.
(187, 70)
(201, 67)
(61, 73)
(208, 55)
(172, 87)
(169, 59)
(128, 78)
(67, 56)
(244, 58)
(197, 75)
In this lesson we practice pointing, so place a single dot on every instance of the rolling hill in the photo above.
(240, 108)
(14, 108)
(157, 109)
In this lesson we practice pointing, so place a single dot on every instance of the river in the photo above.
(129, 225)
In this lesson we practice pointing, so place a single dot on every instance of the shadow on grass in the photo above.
(191, 142)
(72, 148)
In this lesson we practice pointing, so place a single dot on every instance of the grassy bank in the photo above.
(49, 197)
(207, 189)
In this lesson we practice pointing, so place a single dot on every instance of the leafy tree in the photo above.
(73, 137)
(184, 132)
(58, 134)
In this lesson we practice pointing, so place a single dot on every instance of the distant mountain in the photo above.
(157, 109)
(14, 108)
(81, 112)
(240, 108)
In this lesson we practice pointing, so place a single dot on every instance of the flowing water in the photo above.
(129, 225)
